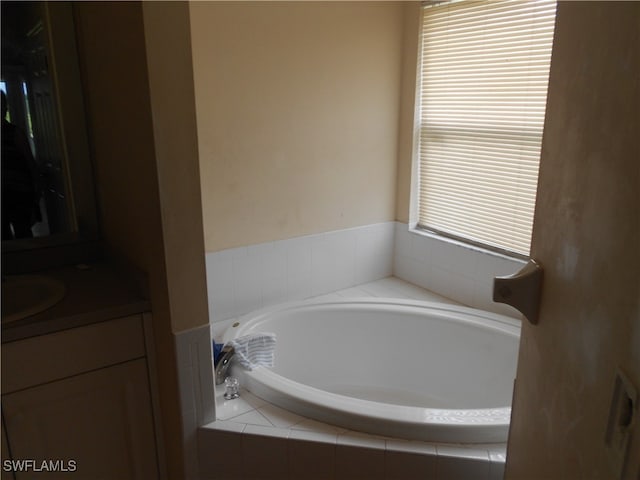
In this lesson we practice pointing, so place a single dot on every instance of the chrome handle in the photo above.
(223, 363)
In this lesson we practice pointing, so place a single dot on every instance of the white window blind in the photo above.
(483, 88)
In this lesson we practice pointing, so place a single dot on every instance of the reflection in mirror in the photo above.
(46, 172)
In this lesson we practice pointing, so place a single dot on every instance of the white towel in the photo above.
(254, 349)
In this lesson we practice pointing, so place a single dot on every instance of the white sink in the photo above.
(26, 295)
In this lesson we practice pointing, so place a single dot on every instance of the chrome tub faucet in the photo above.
(223, 363)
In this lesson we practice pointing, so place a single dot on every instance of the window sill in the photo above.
(414, 229)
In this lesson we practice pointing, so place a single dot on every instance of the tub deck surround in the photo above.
(255, 439)
(301, 447)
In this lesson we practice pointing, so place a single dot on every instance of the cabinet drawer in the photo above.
(37, 360)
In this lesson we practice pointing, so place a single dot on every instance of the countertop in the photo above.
(95, 292)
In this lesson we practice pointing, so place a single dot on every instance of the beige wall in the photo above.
(587, 236)
(406, 137)
(297, 108)
(121, 136)
(138, 77)
(144, 144)
(170, 71)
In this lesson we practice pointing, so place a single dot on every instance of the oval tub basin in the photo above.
(407, 369)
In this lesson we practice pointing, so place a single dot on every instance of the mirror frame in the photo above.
(69, 96)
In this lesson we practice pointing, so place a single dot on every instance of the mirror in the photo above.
(47, 179)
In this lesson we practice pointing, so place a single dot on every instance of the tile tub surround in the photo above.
(250, 432)
(452, 269)
(244, 279)
(197, 402)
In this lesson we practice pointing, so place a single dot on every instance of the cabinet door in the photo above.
(99, 423)
(6, 475)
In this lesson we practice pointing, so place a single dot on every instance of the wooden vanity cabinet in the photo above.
(81, 397)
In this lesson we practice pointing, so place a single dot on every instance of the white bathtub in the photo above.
(400, 368)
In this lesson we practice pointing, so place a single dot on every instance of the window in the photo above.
(483, 76)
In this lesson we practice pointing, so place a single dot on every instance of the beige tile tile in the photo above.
(355, 463)
(227, 409)
(264, 457)
(411, 446)
(227, 426)
(460, 468)
(410, 465)
(358, 439)
(253, 417)
(311, 460)
(463, 462)
(353, 292)
(267, 431)
(316, 426)
(219, 452)
(314, 436)
(463, 451)
(280, 417)
(251, 399)
(386, 287)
